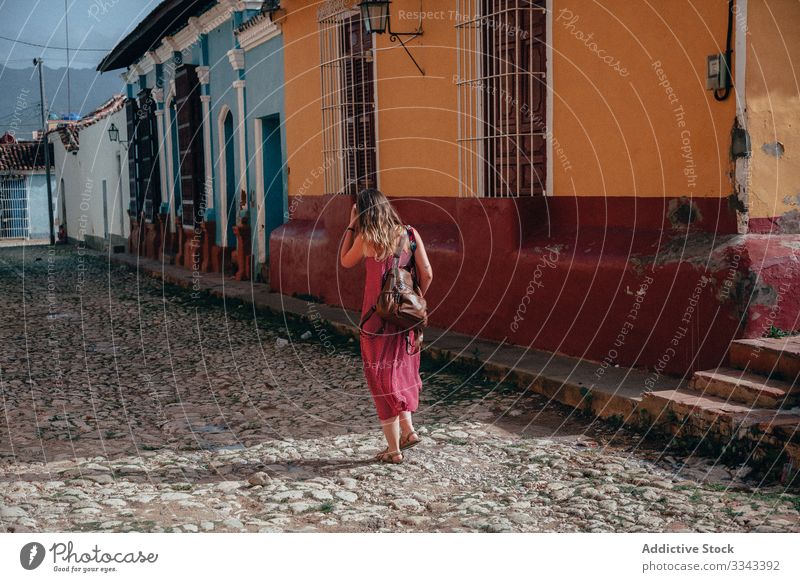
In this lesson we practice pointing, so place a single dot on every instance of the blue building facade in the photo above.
(208, 145)
(23, 190)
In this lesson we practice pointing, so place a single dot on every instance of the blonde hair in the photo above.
(378, 222)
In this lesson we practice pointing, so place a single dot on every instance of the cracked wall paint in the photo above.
(773, 110)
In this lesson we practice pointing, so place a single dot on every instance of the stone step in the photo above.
(688, 413)
(777, 358)
(740, 386)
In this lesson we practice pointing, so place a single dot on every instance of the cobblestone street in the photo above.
(129, 405)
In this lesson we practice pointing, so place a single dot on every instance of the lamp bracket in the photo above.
(396, 37)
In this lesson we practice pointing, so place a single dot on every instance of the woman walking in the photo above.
(374, 233)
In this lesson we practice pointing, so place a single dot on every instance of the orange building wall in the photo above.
(617, 128)
(773, 106)
(418, 115)
(614, 134)
(302, 92)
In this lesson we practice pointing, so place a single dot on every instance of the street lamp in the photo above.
(375, 15)
(113, 135)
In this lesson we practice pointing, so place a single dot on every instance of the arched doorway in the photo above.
(229, 199)
(230, 180)
(176, 159)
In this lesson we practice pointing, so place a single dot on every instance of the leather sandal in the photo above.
(405, 444)
(389, 457)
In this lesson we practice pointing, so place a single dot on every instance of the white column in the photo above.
(236, 58)
(239, 86)
(205, 100)
(158, 97)
(260, 201)
(170, 169)
(203, 74)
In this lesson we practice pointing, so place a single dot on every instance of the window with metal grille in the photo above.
(348, 102)
(502, 97)
(14, 217)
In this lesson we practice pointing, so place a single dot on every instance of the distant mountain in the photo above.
(19, 95)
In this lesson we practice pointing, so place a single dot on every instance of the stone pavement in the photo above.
(131, 405)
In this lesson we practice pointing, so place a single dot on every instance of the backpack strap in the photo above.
(366, 317)
(398, 251)
(416, 347)
(364, 320)
(413, 244)
(411, 238)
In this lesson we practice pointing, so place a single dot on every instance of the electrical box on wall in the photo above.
(717, 76)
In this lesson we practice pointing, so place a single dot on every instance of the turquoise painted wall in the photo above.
(222, 76)
(264, 76)
(265, 97)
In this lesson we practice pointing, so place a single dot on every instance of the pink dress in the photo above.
(392, 374)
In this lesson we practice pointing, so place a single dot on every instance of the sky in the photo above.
(93, 24)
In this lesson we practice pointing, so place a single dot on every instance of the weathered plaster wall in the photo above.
(83, 175)
(773, 114)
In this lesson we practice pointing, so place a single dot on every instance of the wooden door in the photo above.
(190, 140)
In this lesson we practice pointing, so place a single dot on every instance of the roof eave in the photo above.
(149, 32)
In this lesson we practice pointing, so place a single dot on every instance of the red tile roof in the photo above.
(23, 156)
(69, 132)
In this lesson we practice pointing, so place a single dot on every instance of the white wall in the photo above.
(83, 175)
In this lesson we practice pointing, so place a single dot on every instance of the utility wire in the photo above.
(23, 110)
(60, 48)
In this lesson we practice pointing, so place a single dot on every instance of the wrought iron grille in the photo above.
(348, 101)
(14, 216)
(502, 97)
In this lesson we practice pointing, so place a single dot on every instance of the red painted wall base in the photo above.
(189, 247)
(656, 283)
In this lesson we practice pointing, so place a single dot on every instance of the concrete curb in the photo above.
(615, 394)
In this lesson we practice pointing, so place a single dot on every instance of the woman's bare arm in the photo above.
(424, 269)
(352, 250)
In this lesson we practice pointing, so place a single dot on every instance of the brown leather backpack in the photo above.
(400, 301)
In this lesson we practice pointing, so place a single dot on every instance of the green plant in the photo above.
(615, 420)
(326, 507)
(777, 333)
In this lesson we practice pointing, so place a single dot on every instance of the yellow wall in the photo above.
(302, 92)
(773, 106)
(418, 115)
(618, 130)
(615, 134)
(416, 122)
